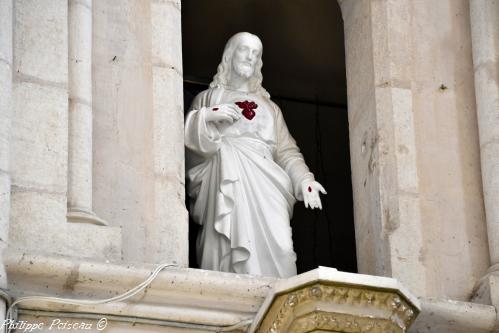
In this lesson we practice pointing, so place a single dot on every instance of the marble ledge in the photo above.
(177, 294)
(448, 316)
(206, 297)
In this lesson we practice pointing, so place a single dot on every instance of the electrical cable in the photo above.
(138, 320)
(6, 297)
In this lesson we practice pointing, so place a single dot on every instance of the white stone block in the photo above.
(405, 141)
(37, 221)
(6, 31)
(171, 223)
(4, 209)
(38, 225)
(40, 137)
(166, 35)
(40, 45)
(168, 122)
(484, 18)
(123, 175)
(170, 230)
(5, 114)
(407, 258)
(93, 241)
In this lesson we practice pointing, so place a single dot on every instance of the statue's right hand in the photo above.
(221, 113)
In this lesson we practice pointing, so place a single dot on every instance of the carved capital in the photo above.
(329, 306)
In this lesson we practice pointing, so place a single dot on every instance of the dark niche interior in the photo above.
(304, 71)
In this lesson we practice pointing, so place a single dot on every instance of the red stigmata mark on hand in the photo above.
(309, 189)
(248, 109)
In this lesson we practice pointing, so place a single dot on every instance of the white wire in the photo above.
(138, 320)
(130, 293)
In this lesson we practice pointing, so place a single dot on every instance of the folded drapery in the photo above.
(243, 179)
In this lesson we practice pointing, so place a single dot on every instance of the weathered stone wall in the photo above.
(414, 144)
(445, 116)
(414, 141)
(39, 142)
(122, 82)
(170, 231)
(6, 11)
(381, 119)
(138, 127)
(40, 131)
(137, 139)
(485, 39)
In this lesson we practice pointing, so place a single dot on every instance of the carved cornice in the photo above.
(337, 322)
(178, 294)
(338, 308)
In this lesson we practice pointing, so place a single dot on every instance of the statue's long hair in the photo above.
(220, 79)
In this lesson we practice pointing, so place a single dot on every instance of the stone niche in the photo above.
(326, 300)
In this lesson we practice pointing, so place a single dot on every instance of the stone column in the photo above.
(382, 141)
(5, 126)
(170, 226)
(485, 40)
(80, 113)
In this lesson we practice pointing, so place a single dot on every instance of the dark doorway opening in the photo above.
(304, 71)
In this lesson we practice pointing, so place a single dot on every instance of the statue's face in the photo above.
(246, 55)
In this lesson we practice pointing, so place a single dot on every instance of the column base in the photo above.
(487, 290)
(77, 215)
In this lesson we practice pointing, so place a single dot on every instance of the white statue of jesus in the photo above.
(244, 169)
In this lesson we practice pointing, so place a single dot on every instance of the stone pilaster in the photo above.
(80, 113)
(170, 228)
(39, 124)
(382, 141)
(39, 140)
(6, 10)
(485, 40)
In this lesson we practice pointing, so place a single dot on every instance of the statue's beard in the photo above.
(244, 70)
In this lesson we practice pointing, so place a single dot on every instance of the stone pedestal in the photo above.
(325, 300)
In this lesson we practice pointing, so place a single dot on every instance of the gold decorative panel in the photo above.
(326, 307)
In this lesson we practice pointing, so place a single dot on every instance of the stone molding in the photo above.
(332, 301)
(80, 151)
(400, 313)
(194, 296)
(177, 294)
(341, 323)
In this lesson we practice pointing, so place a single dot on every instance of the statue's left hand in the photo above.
(310, 190)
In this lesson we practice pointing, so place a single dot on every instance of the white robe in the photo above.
(243, 181)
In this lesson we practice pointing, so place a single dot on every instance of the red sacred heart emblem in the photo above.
(248, 109)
